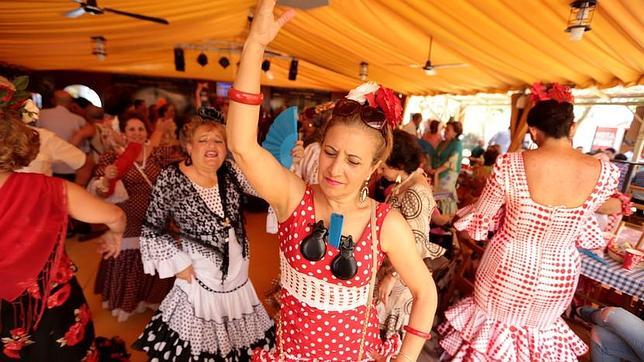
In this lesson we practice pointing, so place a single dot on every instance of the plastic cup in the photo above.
(632, 257)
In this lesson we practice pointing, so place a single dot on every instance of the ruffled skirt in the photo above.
(125, 289)
(469, 335)
(178, 332)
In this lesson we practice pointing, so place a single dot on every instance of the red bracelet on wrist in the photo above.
(418, 333)
(245, 98)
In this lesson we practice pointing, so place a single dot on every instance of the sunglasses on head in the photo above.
(371, 116)
(313, 248)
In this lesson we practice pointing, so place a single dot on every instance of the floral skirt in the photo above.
(65, 331)
(447, 183)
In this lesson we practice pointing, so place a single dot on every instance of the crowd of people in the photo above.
(170, 196)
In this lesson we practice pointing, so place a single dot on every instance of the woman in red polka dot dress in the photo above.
(543, 203)
(327, 313)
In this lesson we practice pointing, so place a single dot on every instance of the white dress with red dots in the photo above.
(321, 316)
(528, 273)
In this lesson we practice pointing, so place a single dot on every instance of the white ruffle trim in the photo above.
(169, 267)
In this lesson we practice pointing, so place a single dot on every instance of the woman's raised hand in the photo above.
(265, 27)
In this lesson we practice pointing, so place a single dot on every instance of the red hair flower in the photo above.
(7, 89)
(555, 91)
(377, 96)
(13, 93)
(560, 93)
(390, 105)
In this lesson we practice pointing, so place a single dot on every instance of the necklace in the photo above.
(142, 165)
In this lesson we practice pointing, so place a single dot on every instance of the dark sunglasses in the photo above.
(371, 116)
(313, 248)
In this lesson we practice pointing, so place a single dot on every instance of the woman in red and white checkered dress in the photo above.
(529, 271)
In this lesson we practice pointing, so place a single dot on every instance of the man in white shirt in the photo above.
(52, 148)
(412, 126)
(61, 121)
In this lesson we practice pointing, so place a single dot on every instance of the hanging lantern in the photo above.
(581, 15)
(364, 71)
(99, 47)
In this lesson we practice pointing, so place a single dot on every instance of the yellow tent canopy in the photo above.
(507, 44)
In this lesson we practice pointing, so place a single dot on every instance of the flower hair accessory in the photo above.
(13, 95)
(30, 112)
(378, 96)
(555, 92)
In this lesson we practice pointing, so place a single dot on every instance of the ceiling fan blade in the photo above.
(74, 13)
(455, 65)
(404, 65)
(138, 16)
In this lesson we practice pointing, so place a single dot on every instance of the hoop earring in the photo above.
(188, 160)
(364, 191)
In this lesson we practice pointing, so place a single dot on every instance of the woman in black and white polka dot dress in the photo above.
(212, 313)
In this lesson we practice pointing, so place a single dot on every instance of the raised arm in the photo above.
(83, 206)
(281, 188)
(399, 244)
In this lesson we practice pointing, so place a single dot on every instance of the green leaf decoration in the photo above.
(21, 94)
(21, 82)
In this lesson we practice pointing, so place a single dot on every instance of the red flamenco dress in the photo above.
(322, 317)
(528, 273)
(43, 313)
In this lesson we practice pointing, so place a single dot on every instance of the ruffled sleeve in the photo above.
(591, 236)
(159, 251)
(487, 214)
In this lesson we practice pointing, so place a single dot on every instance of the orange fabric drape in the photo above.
(507, 44)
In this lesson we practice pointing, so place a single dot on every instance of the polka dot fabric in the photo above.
(121, 281)
(528, 273)
(309, 333)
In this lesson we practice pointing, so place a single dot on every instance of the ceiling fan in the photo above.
(428, 67)
(92, 8)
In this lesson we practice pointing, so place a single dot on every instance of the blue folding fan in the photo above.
(282, 136)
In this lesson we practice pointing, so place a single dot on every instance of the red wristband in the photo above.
(245, 98)
(418, 333)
